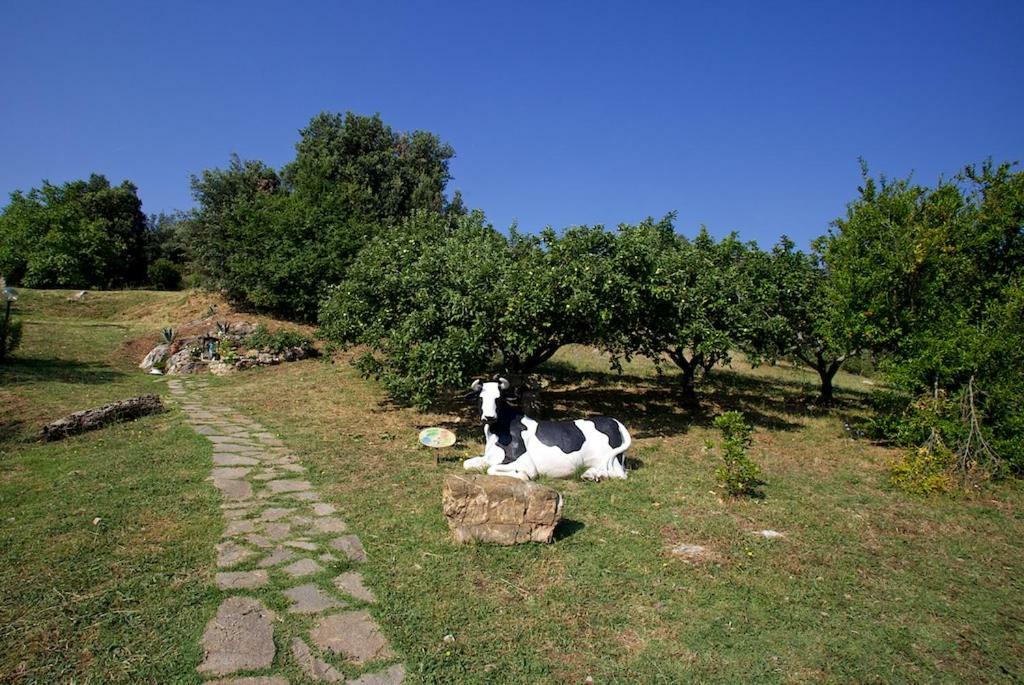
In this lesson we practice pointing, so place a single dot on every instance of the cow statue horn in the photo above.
(504, 384)
(476, 387)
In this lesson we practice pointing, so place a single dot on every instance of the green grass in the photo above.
(122, 599)
(869, 584)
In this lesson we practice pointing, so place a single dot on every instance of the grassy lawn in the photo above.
(868, 584)
(123, 598)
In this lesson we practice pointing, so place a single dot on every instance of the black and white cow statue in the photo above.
(516, 445)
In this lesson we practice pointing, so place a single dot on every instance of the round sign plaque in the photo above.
(437, 437)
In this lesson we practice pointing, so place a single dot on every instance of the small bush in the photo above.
(225, 351)
(278, 341)
(738, 474)
(164, 274)
(925, 470)
(10, 337)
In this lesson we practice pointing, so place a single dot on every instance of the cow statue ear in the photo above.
(503, 384)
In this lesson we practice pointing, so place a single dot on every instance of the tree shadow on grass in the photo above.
(654, 406)
(23, 371)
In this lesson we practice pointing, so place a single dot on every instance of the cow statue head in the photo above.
(490, 394)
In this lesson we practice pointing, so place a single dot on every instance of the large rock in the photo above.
(157, 355)
(181, 363)
(499, 509)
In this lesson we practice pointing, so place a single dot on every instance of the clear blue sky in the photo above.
(745, 116)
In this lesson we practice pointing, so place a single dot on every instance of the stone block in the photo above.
(500, 509)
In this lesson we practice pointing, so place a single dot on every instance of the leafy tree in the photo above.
(10, 328)
(686, 300)
(441, 298)
(167, 238)
(795, 314)
(164, 274)
(276, 242)
(83, 233)
(357, 166)
(933, 278)
(418, 298)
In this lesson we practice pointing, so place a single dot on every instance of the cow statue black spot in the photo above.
(519, 446)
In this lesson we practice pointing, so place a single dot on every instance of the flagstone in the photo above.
(352, 583)
(241, 580)
(309, 599)
(275, 513)
(302, 567)
(351, 546)
(329, 524)
(259, 541)
(239, 527)
(230, 472)
(353, 634)
(233, 460)
(277, 531)
(233, 488)
(240, 637)
(231, 553)
(282, 486)
(278, 556)
(316, 668)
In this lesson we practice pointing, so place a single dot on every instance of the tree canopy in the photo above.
(80, 234)
(276, 241)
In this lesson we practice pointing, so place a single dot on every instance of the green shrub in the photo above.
(278, 341)
(10, 337)
(925, 470)
(738, 474)
(164, 274)
(225, 351)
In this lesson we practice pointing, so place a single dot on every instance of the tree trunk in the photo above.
(826, 372)
(689, 375)
(90, 419)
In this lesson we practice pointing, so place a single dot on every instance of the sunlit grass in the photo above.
(106, 542)
(868, 585)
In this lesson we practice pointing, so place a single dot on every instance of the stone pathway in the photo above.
(284, 548)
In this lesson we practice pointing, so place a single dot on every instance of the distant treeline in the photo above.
(358, 233)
